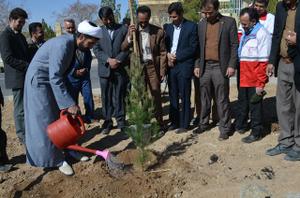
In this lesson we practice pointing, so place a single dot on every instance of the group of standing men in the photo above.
(211, 52)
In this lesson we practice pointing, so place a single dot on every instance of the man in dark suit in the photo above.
(218, 58)
(111, 63)
(15, 56)
(285, 59)
(181, 43)
(151, 43)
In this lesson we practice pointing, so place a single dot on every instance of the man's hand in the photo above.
(81, 72)
(162, 77)
(131, 31)
(197, 72)
(259, 91)
(230, 72)
(74, 110)
(171, 59)
(270, 70)
(113, 63)
(291, 38)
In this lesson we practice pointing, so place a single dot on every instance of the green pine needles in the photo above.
(142, 128)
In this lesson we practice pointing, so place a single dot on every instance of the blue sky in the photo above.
(39, 9)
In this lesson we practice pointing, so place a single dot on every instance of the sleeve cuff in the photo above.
(129, 40)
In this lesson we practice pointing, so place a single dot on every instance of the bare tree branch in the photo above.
(79, 12)
(4, 7)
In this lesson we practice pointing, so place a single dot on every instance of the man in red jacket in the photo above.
(253, 53)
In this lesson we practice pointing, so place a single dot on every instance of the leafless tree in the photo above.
(79, 12)
(4, 12)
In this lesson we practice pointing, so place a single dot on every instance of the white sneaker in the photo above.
(84, 158)
(78, 156)
(66, 169)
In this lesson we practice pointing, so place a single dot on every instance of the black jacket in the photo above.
(279, 25)
(15, 56)
(186, 49)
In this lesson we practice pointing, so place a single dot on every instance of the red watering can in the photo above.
(66, 131)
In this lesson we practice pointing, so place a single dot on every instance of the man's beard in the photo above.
(82, 48)
(214, 18)
(248, 30)
(143, 27)
(110, 26)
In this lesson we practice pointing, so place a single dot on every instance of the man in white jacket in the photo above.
(265, 18)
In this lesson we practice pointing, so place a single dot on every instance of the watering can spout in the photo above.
(104, 154)
(65, 132)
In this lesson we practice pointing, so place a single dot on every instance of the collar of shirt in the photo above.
(38, 44)
(147, 29)
(177, 27)
(110, 32)
(176, 34)
(14, 31)
(216, 19)
(263, 17)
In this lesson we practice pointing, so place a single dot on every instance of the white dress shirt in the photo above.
(111, 33)
(176, 34)
(145, 41)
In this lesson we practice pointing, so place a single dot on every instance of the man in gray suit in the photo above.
(113, 76)
(218, 42)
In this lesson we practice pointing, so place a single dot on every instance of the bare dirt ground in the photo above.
(184, 168)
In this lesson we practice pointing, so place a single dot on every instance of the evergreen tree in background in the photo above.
(192, 8)
(272, 6)
(109, 3)
(49, 33)
(116, 8)
(135, 6)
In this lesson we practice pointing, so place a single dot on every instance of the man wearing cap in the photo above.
(46, 93)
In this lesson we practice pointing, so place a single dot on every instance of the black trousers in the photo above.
(256, 111)
(113, 91)
(180, 90)
(3, 142)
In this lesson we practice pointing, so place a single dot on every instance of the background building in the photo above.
(160, 16)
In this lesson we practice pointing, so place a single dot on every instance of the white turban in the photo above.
(88, 28)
